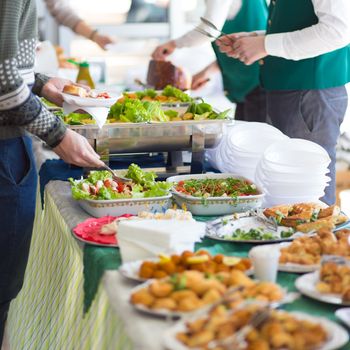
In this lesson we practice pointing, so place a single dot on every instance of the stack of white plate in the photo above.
(243, 146)
(293, 171)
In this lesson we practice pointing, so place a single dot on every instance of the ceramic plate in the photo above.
(213, 206)
(344, 315)
(117, 207)
(131, 269)
(180, 314)
(338, 336)
(306, 284)
(296, 268)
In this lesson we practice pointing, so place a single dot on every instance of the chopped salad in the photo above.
(137, 111)
(99, 185)
(168, 95)
(258, 234)
(204, 188)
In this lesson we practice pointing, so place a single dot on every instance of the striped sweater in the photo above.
(20, 109)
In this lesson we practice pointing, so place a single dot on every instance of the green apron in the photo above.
(239, 79)
(321, 72)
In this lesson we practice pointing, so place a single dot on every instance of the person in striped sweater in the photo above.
(21, 113)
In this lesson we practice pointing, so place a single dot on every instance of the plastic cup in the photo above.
(265, 262)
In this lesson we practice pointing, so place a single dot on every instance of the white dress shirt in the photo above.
(217, 11)
(332, 32)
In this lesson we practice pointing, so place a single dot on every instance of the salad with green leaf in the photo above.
(99, 185)
(258, 234)
(170, 94)
(136, 111)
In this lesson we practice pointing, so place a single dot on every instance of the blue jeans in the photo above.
(18, 181)
(313, 115)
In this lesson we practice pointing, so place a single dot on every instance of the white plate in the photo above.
(175, 314)
(88, 101)
(338, 336)
(215, 205)
(296, 268)
(161, 312)
(131, 269)
(344, 315)
(306, 284)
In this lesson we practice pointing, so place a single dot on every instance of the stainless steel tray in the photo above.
(120, 138)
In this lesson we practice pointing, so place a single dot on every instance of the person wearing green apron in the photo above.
(241, 83)
(305, 64)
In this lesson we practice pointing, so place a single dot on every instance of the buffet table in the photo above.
(49, 312)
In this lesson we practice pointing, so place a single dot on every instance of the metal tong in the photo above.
(212, 26)
(237, 340)
(114, 176)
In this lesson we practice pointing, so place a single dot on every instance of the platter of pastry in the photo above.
(305, 253)
(227, 329)
(193, 291)
(331, 284)
(166, 265)
(276, 224)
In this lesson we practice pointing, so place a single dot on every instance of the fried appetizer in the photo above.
(280, 331)
(335, 278)
(200, 261)
(193, 290)
(309, 250)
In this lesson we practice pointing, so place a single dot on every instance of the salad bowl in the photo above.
(216, 205)
(100, 194)
(117, 207)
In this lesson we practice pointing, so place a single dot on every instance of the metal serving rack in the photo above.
(122, 138)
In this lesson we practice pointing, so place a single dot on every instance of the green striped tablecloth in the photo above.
(48, 313)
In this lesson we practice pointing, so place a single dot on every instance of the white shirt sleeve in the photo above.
(216, 12)
(332, 32)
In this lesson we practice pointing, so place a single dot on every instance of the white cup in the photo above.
(265, 261)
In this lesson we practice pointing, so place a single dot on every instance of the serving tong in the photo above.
(212, 26)
(270, 223)
(116, 177)
(237, 340)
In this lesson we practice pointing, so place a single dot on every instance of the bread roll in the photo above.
(75, 90)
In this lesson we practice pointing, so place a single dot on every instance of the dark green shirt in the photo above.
(324, 71)
(239, 79)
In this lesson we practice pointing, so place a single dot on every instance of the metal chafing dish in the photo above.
(119, 138)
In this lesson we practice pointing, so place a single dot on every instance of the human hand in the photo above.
(52, 90)
(200, 79)
(248, 49)
(163, 51)
(102, 40)
(75, 149)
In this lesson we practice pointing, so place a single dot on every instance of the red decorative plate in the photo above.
(89, 231)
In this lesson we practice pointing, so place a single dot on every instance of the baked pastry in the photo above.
(163, 73)
(75, 90)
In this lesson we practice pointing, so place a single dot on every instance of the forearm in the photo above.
(63, 13)
(330, 33)
(83, 29)
(216, 12)
(34, 118)
(40, 81)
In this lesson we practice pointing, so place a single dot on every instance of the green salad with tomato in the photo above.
(99, 185)
(204, 188)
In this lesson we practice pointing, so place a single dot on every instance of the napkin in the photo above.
(99, 114)
(141, 239)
